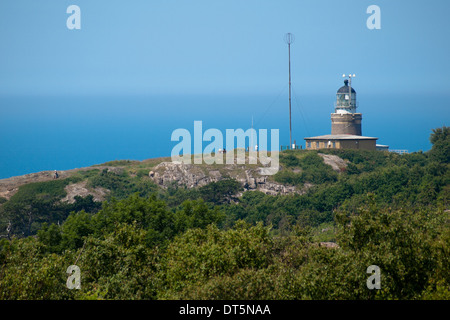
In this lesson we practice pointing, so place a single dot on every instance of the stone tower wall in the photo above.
(346, 123)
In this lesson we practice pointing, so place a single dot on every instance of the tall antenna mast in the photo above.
(289, 38)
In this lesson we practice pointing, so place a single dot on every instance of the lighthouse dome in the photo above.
(345, 88)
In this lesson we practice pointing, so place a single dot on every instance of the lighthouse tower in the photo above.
(345, 119)
(345, 125)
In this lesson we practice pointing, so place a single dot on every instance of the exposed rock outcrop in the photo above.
(80, 189)
(191, 176)
(329, 244)
(337, 163)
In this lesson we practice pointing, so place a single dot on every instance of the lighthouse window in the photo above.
(343, 99)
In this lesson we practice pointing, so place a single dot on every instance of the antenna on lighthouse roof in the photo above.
(350, 76)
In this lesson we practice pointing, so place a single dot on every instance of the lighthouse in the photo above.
(346, 130)
(345, 119)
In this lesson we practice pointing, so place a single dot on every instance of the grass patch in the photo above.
(313, 169)
(85, 174)
(325, 232)
(118, 163)
(48, 190)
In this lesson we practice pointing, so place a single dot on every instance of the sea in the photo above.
(62, 132)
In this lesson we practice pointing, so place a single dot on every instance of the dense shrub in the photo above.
(389, 210)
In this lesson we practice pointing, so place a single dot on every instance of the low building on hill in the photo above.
(341, 141)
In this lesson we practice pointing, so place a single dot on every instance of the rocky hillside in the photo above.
(206, 231)
(191, 176)
(166, 173)
(10, 186)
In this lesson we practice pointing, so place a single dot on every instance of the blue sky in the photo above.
(139, 69)
(218, 46)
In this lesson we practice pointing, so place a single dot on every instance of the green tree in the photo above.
(440, 140)
(119, 266)
(200, 255)
(401, 242)
(221, 191)
(27, 273)
(50, 237)
(196, 214)
(149, 214)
